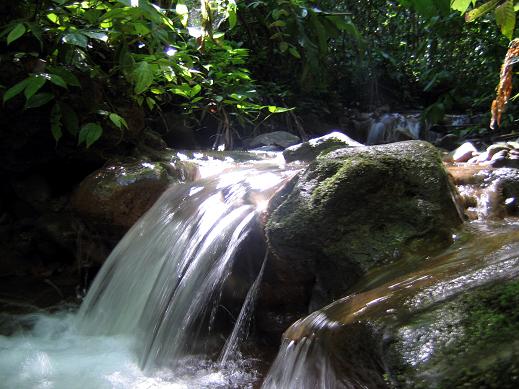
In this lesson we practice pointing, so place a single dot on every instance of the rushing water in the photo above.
(146, 321)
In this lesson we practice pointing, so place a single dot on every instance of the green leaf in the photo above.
(34, 85)
(118, 120)
(16, 89)
(277, 23)
(17, 31)
(183, 12)
(55, 122)
(150, 102)
(460, 5)
(90, 133)
(53, 18)
(56, 80)
(38, 100)
(292, 50)
(76, 39)
(97, 35)
(143, 77)
(65, 74)
(481, 10)
(196, 90)
(505, 18)
(274, 109)
(283, 46)
(36, 32)
(69, 118)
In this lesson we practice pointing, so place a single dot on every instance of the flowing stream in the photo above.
(147, 320)
(152, 316)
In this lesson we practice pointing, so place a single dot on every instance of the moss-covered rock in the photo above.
(357, 208)
(449, 322)
(470, 341)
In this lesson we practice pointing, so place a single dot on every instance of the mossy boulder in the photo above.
(470, 341)
(449, 322)
(356, 208)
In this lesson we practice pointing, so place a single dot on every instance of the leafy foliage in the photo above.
(152, 55)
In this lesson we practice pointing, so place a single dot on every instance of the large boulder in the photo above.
(354, 209)
(449, 322)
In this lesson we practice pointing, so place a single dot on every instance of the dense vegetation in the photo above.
(97, 65)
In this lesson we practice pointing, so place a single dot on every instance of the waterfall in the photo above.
(166, 275)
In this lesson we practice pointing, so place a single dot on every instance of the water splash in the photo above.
(163, 278)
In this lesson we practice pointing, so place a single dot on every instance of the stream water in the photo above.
(150, 318)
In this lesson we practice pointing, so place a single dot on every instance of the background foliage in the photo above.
(92, 64)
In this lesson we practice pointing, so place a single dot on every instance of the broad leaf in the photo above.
(76, 39)
(143, 76)
(16, 33)
(461, 5)
(56, 80)
(69, 118)
(16, 89)
(505, 18)
(66, 75)
(90, 132)
(117, 120)
(481, 10)
(38, 100)
(34, 85)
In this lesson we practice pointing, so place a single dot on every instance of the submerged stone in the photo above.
(354, 209)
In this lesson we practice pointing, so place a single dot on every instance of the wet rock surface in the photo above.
(354, 209)
(450, 322)
(282, 139)
(308, 151)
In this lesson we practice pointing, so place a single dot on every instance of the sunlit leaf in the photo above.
(53, 18)
(275, 109)
(76, 39)
(505, 18)
(460, 5)
(481, 10)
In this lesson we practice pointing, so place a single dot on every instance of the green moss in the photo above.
(473, 342)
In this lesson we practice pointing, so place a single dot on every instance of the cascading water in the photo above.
(153, 301)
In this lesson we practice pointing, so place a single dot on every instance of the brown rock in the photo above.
(119, 194)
